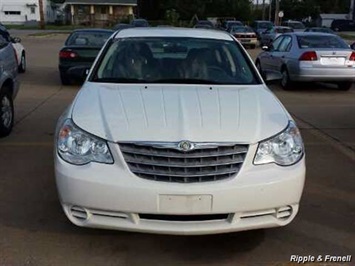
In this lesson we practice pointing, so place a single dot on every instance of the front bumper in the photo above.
(111, 197)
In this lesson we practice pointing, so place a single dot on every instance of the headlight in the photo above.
(284, 149)
(78, 147)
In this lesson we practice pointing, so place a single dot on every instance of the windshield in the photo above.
(283, 30)
(94, 38)
(175, 60)
(319, 41)
(296, 25)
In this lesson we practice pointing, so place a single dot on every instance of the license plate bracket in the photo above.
(185, 204)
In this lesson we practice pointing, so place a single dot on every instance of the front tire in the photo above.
(286, 83)
(23, 64)
(6, 112)
(345, 85)
(258, 66)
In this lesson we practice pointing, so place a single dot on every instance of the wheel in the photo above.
(64, 79)
(258, 66)
(345, 85)
(286, 83)
(6, 112)
(22, 66)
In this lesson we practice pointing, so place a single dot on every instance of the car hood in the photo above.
(200, 113)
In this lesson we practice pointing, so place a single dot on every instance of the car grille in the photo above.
(203, 164)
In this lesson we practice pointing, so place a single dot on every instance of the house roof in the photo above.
(334, 16)
(102, 2)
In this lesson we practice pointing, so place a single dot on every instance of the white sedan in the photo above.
(175, 132)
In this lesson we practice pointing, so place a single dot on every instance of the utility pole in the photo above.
(352, 10)
(263, 16)
(41, 15)
(277, 10)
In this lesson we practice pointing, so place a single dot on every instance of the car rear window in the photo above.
(283, 30)
(241, 29)
(265, 25)
(319, 41)
(175, 60)
(96, 39)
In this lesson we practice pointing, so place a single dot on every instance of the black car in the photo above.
(80, 50)
(343, 25)
(229, 24)
(204, 24)
(122, 26)
(139, 22)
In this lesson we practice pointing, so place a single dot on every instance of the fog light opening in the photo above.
(284, 213)
(79, 213)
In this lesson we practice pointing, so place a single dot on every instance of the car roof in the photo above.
(311, 33)
(174, 32)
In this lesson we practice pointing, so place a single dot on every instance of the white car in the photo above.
(20, 53)
(175, 132)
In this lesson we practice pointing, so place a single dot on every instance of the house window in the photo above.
(104, 10)
(33, 10)
(12, 12)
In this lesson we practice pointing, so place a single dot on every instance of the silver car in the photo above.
(8, 85)
(308, 57)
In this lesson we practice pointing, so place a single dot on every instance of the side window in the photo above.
(285, 44)
(277, 43)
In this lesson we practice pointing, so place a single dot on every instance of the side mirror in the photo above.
(266, 48)
(15, 39)
(79, 72)
(272, 77)
(352, 46)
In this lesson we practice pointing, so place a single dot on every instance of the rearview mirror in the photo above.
(79, 72)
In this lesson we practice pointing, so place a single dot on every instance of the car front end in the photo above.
(178, 156)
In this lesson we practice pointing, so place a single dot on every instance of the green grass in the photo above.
(347, 36)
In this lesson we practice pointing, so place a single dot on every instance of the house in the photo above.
(99, 12)
(23, 11)
(325, 20)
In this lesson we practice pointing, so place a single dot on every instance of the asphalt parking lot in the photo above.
(35, 231)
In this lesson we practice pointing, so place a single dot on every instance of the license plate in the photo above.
(185, 204)
(333, 61)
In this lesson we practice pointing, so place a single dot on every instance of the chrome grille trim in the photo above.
(164, 162)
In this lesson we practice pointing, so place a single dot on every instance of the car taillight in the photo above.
(67, 54)
(352, 56)
(309, 56)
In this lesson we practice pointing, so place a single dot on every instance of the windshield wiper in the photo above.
(119, 80)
